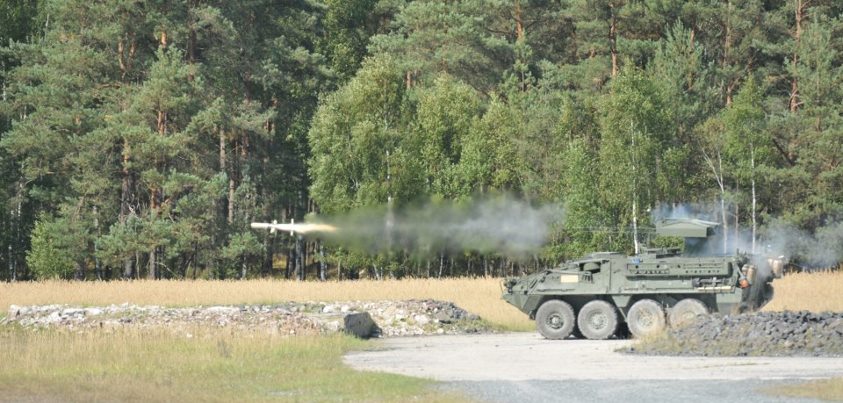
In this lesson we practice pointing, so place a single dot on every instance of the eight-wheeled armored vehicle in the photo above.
(602, 293)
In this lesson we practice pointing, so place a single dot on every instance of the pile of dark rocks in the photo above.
(363, 318)
(786, 333)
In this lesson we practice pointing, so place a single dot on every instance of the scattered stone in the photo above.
(361, 318)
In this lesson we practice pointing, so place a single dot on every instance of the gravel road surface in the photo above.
(525, 367)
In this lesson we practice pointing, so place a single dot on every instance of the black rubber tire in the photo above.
(555, 319)
(597, 320)
(646, 318)
(685, 311)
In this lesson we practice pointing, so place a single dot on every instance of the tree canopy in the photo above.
(140, 139)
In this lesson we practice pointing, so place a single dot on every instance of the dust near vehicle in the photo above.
(605, 294)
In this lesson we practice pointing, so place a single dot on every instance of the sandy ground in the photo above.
(518, 366)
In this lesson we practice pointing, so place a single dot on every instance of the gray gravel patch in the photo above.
(625, 391)
(525, 367)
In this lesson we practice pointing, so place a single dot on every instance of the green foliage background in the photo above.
(141, 138)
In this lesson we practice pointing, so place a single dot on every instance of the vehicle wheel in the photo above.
(597, 320)
(685, 311)
(555, 319)
(645, 318)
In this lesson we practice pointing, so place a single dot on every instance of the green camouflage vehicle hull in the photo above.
(605, 293)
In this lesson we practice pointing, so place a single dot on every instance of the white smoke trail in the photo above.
(501, 225)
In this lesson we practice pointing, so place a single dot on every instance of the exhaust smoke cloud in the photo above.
(822, 249)
(501, 225)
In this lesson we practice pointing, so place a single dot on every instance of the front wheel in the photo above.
(555, 319)
(645, 318)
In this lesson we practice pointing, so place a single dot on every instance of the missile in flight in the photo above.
(293, 228)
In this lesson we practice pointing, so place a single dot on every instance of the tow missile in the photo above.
(293, 228)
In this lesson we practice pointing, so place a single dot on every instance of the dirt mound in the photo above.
(758, 334)
(391, 318)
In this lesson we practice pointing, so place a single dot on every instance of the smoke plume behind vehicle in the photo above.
(776, 237)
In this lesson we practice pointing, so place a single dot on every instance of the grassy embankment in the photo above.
(144, 365)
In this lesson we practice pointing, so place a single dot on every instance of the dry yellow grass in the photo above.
(825, 389)
(817, 292)
(480, 295)
(804, 291)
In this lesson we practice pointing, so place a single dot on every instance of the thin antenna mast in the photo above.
(634, 192)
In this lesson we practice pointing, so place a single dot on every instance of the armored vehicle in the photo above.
(605, 293)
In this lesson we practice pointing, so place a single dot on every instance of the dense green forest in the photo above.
(140, 138)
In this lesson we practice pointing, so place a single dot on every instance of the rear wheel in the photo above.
(597, 320)
(645, 318)
(555, 319)
(685, 311)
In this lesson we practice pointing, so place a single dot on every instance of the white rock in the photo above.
(93, 311)
(222, 309)
(72, 311)
(54, 317)
(333, 326)
(421, 319)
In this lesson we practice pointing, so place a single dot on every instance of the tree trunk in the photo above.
(613, 31)
(300, 275)
(288, 264)
(79, 270)
(485, 266)
(339, 269)
(151, 273)
(322, 268)
(153, 196)
(797, 37)
(727, 47)
(12, 274)
(97, 266)
(223, 157)
(125, 194)
(754, 204)
(519, 23)
(269, 247)
(737, 221)
(13, 257)
(441, 264)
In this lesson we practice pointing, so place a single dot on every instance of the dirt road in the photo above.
(519, 366)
